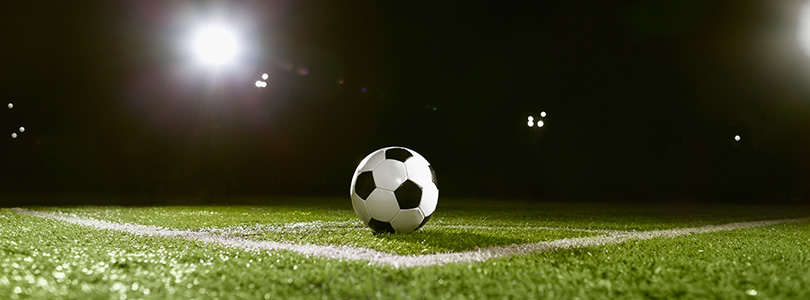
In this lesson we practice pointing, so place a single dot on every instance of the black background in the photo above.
(644, 98)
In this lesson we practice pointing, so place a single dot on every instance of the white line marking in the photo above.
(528, 228)
(402, 261)
(357, 225)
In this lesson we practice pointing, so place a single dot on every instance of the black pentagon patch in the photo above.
(398, 154)
(409, 195)
(380, 226)
(423, 223)
(364, 185)
(433, 173)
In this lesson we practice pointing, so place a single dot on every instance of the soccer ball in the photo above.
(394, 190)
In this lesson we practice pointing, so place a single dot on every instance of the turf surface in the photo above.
(310, 225)
(46, 259)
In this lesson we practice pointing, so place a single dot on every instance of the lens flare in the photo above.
(803, 32)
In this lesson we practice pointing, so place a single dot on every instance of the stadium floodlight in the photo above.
(22, 129)
(215, 45)
(530, 123)
(540, 123)
(265, 76)
(542, 114)
(13, 135)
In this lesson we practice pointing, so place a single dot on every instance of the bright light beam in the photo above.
(215, 45)
(803, 32)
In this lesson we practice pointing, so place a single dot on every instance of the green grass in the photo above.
(323, 226)
(47, 259)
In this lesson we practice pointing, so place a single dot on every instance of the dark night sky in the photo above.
(644, 98)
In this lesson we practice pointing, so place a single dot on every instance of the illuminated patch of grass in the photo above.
(313, 225)
(48, 259)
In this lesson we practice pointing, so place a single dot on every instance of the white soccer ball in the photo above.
(394, 190)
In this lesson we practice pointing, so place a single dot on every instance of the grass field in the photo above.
(45, 257)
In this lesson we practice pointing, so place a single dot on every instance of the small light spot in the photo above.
(22, 129)
(542, 114)
(363, 90)
(531, 118)
(265, 76)
(14, 135)
(340, 81)
(540, 123)
(751, 292)
(10, 105)
(261, 84)
(303, 71)
(737, 138)
(530, 123)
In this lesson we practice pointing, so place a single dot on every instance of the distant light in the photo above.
(531, 118)
(259, 83)
(14, 135)
(542, 114)
(10, 105)
(803, 32)
(303, 71)
(265, 76)
(530, 123)
(737, 137)
(215, 45)
(363, 90)
(340, 81)
(540, 123)
(22, 129)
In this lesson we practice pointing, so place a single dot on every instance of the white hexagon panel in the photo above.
(430, 199)
(389, 174)
(382, 205)
(360, 209)
(404, 221)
